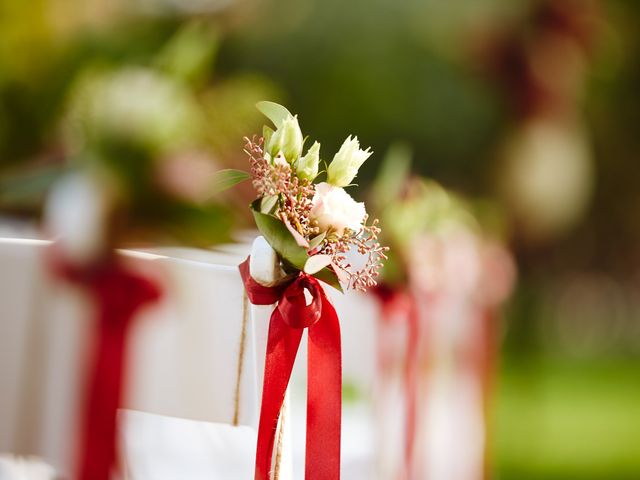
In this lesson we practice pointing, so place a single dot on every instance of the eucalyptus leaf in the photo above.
(328, 276)
(227, 178)
(280, 239)
(274, 112)
(316, 263)
(267, 203)
(317, 240)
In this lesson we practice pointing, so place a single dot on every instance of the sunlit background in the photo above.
(533, 106)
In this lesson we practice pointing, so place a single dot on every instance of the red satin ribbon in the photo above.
(117, 294)
(324, 375)
(396, 302)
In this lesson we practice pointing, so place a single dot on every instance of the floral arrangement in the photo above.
(315, 227)
(440, 240)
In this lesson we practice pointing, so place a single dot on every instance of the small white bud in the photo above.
(344, 167)
(287, 139)
(308, 165)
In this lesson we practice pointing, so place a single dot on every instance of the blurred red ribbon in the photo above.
(400, 304)
(324, 378)
(117, 294)
(486, 362)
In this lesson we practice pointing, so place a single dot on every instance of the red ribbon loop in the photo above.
(259, 294)
(293, 306)
(302, 303)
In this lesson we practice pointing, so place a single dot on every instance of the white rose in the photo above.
(333, 208)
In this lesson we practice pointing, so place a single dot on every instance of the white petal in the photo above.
(316, 263)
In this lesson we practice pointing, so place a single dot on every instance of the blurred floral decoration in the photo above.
(444, 251)
(142, 124)
(438, 241)
(547, 166)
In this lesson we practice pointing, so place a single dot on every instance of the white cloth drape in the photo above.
(183, 354)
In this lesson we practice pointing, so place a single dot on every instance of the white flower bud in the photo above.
(346, 162)
(264, 263)
(308, 165)
(287, 139)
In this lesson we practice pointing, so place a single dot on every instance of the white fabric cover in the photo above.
(158, 447)
(183, 351)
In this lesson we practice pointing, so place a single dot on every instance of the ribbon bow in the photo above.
(118, 293)
(301, 303)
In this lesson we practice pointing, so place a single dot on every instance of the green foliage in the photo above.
(563, 418)
(267, 204)
(392, 175)
(274, 112)
(293, 255)
(280, 239)
(190, 53)
(227, 178)
(328, 276)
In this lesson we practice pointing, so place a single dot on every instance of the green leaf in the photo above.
(315, 241)
(274, 112)
(280, 239)
(328, 276)
(190, 52)
(267, 203)
(267, 132)
(392, 175)
(227, 178)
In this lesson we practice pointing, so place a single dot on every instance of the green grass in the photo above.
(561, 419)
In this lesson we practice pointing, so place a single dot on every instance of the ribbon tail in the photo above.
(118, 295)
(324, 397)
(103, 398)
(282, 347)
(411, 379)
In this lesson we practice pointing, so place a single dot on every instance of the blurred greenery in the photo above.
(562, 418)
(361, 67)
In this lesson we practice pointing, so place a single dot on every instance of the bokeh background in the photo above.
(530, 106)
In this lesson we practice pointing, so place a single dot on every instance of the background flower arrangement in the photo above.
(425, 223)
(148, 132)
